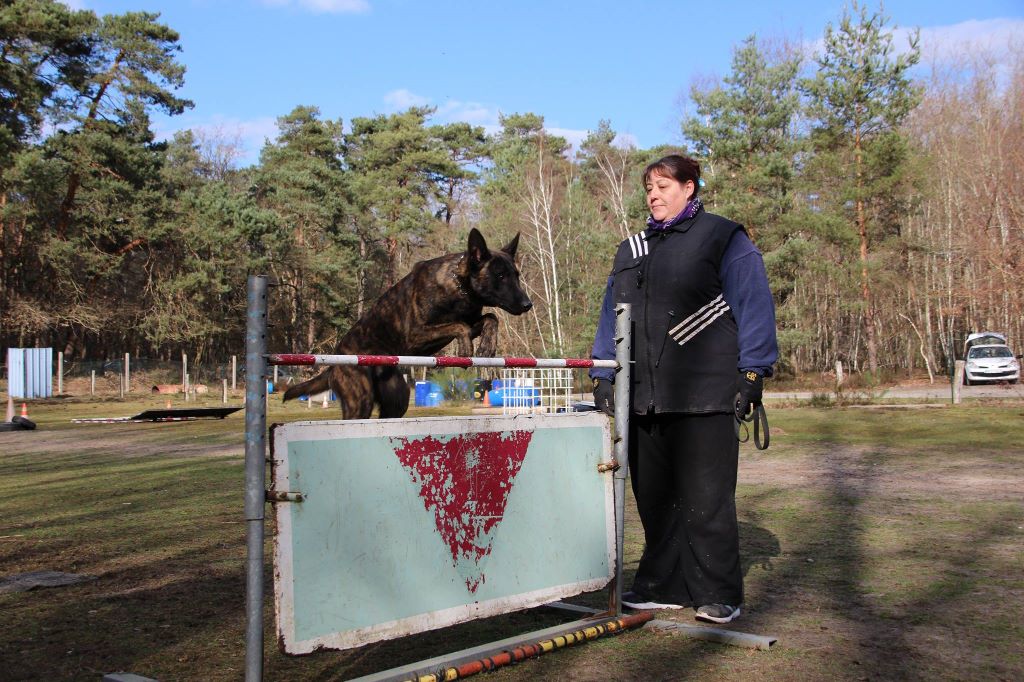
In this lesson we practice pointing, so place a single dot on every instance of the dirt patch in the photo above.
(121, 440)
(888, 472)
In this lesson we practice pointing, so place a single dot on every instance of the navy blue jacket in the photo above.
(745, 289)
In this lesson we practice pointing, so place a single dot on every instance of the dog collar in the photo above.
(460, 283)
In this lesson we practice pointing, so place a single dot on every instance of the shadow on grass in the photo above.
(833, 568)
(115, 625)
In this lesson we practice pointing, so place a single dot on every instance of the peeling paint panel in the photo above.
(415, 524)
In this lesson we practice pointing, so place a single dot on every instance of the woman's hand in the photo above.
(750, 389)
(604, 396)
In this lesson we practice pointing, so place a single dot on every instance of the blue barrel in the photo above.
(428, 394)
(420, 397)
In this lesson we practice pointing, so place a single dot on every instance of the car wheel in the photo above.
(967, 380)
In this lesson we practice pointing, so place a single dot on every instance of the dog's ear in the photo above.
(511, 247)
(477, 248)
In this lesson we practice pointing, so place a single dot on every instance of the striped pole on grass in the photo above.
(512, 655)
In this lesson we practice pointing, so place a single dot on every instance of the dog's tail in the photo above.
(317, 384)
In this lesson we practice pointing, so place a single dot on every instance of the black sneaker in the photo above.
(717, 613)
(636, 601)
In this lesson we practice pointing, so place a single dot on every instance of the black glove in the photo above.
(604, 396)
(749, 389)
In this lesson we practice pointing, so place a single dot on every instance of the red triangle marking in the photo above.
(465, 481)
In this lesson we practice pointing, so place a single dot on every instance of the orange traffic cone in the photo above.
(487, 398)
(24, 410)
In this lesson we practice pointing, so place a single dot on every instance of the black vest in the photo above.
(684, 334)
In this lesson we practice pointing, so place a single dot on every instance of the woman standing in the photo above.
(703, 341)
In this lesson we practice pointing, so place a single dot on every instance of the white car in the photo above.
(991, 363)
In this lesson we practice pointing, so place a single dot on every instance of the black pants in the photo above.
(683, 471)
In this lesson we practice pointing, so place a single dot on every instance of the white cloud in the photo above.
(945, 43)
(573, 137)
(449, 111)
(469, 112)
(324, 6)
(397, 100)
(626, 141)
(486, 116)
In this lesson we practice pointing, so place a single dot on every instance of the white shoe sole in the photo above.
(712, 619)
(650, 605)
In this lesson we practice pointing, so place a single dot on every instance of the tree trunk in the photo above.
(865, 284)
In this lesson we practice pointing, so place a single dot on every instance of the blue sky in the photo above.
(575, 63)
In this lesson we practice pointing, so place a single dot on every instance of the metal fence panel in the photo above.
(30, 372)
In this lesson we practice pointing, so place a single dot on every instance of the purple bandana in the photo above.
(688, 212)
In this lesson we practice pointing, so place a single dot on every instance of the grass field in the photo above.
(878, 544)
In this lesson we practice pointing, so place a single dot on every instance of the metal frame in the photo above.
(256, 363)
(536, 391)
(255, 470)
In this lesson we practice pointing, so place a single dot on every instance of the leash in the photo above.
(760, 419)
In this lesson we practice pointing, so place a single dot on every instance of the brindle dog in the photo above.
(440, 301)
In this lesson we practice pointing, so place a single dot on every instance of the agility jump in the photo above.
(257, 362)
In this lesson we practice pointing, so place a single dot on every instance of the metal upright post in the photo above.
(623, 353)
(255, 468)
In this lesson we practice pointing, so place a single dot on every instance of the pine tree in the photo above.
(301, 180)
(89, 196)
(744, 133)
(398, 167)
(858, 98)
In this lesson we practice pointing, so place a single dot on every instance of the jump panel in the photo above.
(414, 524)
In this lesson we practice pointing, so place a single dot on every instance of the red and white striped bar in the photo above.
(286, 359)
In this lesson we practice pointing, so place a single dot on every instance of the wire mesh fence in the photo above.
(536, 391)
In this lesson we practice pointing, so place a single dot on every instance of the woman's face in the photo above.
(666, 196)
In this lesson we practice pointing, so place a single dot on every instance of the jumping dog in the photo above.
(441, 300)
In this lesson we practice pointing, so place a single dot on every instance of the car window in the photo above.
(990, 352)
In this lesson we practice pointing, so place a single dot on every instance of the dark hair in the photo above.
(676, 166)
